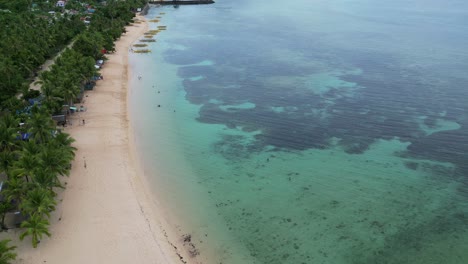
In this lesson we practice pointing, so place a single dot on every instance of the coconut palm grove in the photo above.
(34, 153)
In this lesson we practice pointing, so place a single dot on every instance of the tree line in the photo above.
(33, 154)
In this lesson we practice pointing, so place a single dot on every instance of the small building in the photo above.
(61, 3)
(14, 219)
(60, 120)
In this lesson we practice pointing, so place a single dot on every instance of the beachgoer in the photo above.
(83, 122)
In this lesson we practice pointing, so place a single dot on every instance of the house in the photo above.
(60, 3)
(14, 219)
(60, 120)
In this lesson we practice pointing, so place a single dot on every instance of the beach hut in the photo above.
(79, 97)
(60, 3)
(14, 219)
(89, 85)
(60, 120)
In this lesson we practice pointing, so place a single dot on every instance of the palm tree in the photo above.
(46, 180)
(6, 161)
(38, 201)
(7, 137)
(69, 93)
(63, 141)
(25, 165)
(16, 190)
(6, 252)
(55, 160)
(36, 227)
(30, 147)
(9, 121)
(40, 125)
(5, 206)
(49, 86)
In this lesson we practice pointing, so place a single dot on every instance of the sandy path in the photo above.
(46, 66)
(106, 214)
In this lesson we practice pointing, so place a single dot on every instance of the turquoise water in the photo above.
(309, 132)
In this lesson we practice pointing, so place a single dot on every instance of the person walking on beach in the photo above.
(83, 122)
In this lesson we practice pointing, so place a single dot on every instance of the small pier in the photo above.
(181, 2)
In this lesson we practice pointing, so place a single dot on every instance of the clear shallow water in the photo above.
(312, 132)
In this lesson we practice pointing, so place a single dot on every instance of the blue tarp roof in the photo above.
(23, 136)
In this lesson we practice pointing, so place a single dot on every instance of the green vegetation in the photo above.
(35, 227)
(34, 154)
(6, 252)
(28, 39)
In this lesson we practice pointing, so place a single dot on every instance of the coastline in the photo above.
(106, 214)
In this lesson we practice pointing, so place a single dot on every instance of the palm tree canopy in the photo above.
(6, 252)
(40, 125)
(25, 165)
(36, 226)
(38, 201)
(7, 158)
(8, 132)
(16, 190)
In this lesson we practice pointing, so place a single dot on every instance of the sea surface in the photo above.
(318, 131)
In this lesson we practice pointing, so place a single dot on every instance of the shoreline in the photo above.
(106, 214)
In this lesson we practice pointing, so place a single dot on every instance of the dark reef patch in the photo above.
(376, 109)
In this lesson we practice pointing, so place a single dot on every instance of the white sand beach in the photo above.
(106, 213)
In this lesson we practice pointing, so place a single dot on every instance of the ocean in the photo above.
(312, 131)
